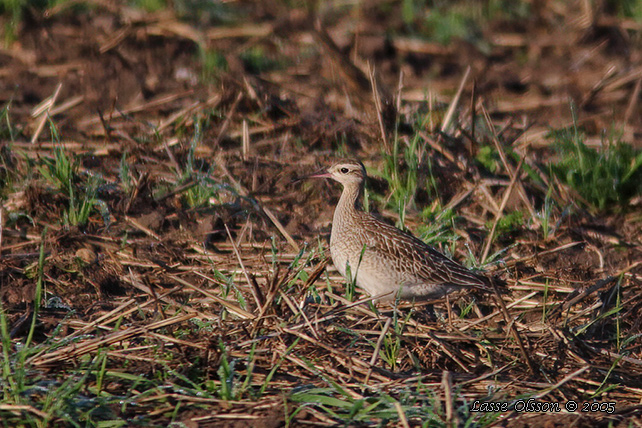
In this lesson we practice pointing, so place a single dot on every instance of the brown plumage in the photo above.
(387, 262)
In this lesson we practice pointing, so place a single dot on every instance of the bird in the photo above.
(386, 262)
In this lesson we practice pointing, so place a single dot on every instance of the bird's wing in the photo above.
(405, 252)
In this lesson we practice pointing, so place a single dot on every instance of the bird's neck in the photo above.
(350, 200)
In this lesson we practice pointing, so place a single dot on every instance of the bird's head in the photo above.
(346, 172)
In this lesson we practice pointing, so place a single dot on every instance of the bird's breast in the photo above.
(346, 245)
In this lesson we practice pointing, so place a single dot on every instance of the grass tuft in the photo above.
(606, 179)
(81, 191)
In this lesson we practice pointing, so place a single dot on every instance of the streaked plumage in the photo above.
(387, 262)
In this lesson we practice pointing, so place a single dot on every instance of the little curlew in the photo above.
(387, 262)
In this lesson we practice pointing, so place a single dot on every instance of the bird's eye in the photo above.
(344, 170)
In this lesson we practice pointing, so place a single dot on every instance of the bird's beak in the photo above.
(319, 174)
